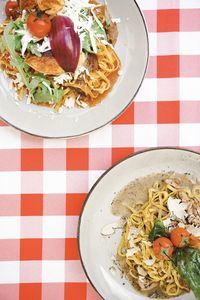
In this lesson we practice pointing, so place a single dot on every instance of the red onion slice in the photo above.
(65, 43)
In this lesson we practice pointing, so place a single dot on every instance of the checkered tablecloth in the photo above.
(43, 183)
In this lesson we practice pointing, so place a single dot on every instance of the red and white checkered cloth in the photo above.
(43, 183)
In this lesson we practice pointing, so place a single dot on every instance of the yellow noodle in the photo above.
(161, 272)
(87, 88)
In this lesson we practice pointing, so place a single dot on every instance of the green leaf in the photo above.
(18, 44)
(8, 39)
(16, 60)
(32, 47)
(158, 231)
(86, 44)
(84, 11)
(38, 91)
(187, 261)
(18, 25)
(35, 81)
(42, 95)
(96, 28)
(99, 30)
(107, 15)
(57, 95)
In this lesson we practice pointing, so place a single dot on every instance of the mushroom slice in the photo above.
(45, 65)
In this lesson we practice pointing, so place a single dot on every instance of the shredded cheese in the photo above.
(45, 46)
(83, 22)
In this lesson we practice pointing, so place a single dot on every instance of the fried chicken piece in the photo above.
(112, 33)
(51, 7)
(45, 64)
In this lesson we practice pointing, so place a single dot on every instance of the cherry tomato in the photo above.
(38, 25)
(180, 237)
(163, 248)
(12, 9)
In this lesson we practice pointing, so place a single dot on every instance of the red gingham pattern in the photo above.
(44, 183)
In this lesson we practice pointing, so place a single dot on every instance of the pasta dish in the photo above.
(160, 240)
(59, 53)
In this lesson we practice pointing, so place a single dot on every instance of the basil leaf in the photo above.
(187, 261)
(158, 231)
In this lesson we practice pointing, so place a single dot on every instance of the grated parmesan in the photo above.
(45, 46)
(82, 22)
(132, 251)
(116, 20)
(177, 208)
(63, 78)
(70, 102)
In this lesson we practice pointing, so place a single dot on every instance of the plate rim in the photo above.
(97, 182)
(114, 118)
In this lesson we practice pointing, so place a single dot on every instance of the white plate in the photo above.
(132, 47)
(96, 251)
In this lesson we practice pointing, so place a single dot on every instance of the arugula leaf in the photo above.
(17, 61)
(107, 15)
(18, 25)
(158, 231)
(19, 31)
(84, 11)
(86, 43)
(36, 80)
(42, 95)
(38, 91)
(18, 43)
(32, 47)
(57, 95)
(42, 91)
(99, 30)
(187, 261)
